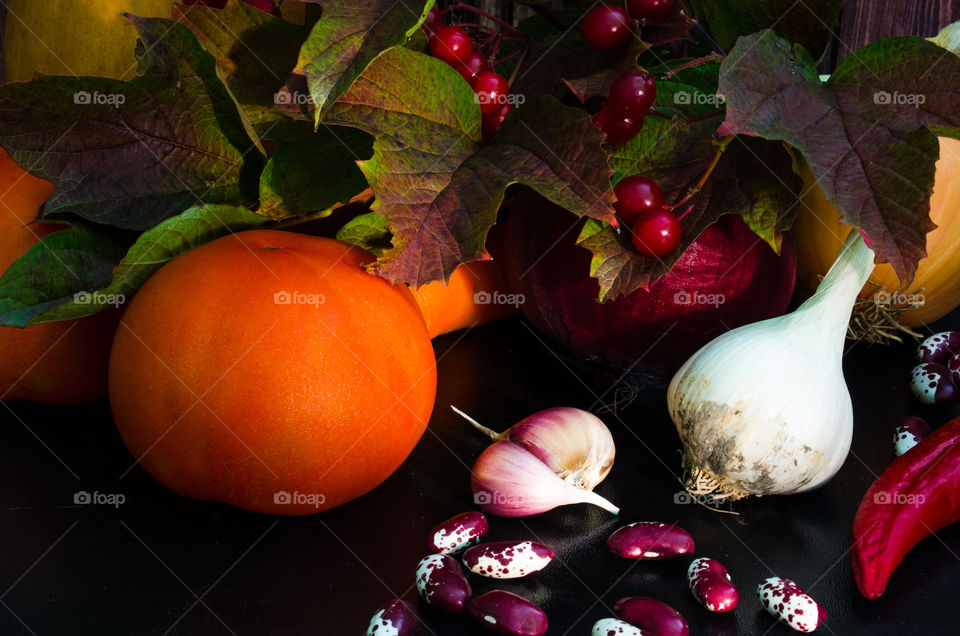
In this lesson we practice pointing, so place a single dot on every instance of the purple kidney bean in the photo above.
(617, 627)
(507, 559)
(710, 583)
(784, 599)
(396, 618)
(652, 615)
(650, 540)
(909, 433)
(507, 613)
(953, 366)
(931, 384)
(939, 347)
(441, 583)
(457, 533)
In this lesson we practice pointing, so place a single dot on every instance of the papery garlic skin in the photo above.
(764, 409)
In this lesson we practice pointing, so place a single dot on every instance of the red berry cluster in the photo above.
(454, 46)
(267, 6)
(607, 27)
(655, 230)
(631, 97)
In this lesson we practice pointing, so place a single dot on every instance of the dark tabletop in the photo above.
(159, 563)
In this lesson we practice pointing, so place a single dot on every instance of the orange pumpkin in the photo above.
(820, 236)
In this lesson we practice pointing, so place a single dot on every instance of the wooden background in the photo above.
(861, 22)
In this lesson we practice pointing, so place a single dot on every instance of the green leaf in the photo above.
(43, 285)
(348, 37)
(368, 231)
(77, 259)
(151, 148)
(866, 134)
(437, 187)
(314, 172)
(255, 54)
(810, 23)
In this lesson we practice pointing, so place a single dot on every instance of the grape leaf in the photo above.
(437, 187)
(368, 231)
(76, 259)
(866, 133)
(130, 154)
(752, 179)
(57, 278)
(348, 37)
(313, 171)
(809, 23)
(255, 54)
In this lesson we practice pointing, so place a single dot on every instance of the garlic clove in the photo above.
(509, 481)
(575, 444)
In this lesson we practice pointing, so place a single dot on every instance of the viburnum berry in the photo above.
(492, 90)
(474, 65)
(656, 232)
(606, 28)
(633, 91)
(649, 9)
(452, 45)
(617, 125)
(432, 23)
(491, 123)
(635, 196)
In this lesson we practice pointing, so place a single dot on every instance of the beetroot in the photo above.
(656, 330)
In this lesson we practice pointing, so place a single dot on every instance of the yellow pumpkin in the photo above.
(74, 37)
(819, 237)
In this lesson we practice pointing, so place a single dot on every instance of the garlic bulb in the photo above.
(764, 409)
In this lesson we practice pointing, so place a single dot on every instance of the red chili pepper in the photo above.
(916, 495)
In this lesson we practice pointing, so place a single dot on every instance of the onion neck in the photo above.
(830, 307)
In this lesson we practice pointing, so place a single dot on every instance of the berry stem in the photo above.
(475, 25)
(516, 67)
(713, 58)
(695, 24)
(722, 144)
